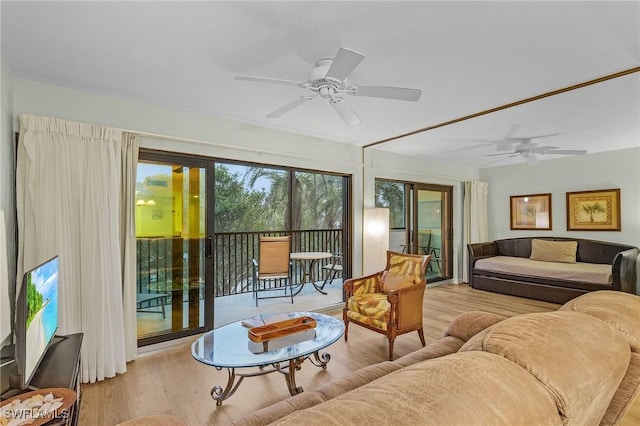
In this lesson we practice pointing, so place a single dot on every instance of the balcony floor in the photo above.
(236, 307)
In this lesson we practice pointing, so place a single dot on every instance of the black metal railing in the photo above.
(166, 264)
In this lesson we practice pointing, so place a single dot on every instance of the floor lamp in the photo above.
(376, 240)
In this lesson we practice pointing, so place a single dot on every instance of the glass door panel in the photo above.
(170, 235)
(393, 196)
(431, 219)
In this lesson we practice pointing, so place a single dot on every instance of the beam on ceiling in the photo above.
(510, 105)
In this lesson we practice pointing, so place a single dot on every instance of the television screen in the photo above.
(37, 321)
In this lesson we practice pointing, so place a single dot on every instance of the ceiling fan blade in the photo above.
(345, 111)
(497, 160)
(268, 80)
(512, 131)
(542, 149)
(500, 153)
(566, 151)
(344, 63)
(399, 93)
(504, 145)
(541, 136)
(288, 107)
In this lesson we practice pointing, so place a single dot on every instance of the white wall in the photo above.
(7, 205)
(223, 138)
(613, 169)
(7, 166)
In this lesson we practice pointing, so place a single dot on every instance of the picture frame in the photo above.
(596, 210)
(531, 212)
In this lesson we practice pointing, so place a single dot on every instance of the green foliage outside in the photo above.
(247, 199)
(238, 209)
(316, 201)
(390, 195)
(34, 300)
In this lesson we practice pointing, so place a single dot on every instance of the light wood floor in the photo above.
(172, 382)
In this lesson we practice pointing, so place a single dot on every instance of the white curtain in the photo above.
(130, 144)
(476, 219)
(70, 187)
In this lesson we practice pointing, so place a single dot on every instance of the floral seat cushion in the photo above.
(372, 309)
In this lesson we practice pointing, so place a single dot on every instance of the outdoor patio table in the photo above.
(311, 257)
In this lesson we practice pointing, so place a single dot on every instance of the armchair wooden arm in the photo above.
(362, 285)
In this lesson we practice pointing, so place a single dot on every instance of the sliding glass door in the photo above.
(198, 223)
(171, 230)
(431, 225)
(420, 218)
(254, 200)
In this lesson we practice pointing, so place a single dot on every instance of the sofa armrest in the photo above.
(468, 324)
(479, 251)
(624, 271)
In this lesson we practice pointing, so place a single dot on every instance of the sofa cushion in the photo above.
(558, 349)
(430, 392)
(442, 347)
(582, 274)
(620, 310)
(554, 251)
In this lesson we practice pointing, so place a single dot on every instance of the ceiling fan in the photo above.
(528, 150)
(329, 81)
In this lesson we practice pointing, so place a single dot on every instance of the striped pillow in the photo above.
(554, 251)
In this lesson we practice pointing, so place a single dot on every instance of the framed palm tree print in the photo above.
(597, 210)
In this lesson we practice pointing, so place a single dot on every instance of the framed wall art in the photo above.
(597, 210)
(531, 212)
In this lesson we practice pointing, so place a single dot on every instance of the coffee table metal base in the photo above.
(289, 371)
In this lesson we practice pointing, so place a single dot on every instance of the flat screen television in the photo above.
(36, 318)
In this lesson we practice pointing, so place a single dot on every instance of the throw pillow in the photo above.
(554, 251)
(391, 281)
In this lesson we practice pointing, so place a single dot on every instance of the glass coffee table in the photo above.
(229, 347)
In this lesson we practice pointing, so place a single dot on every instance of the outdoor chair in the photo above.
(273, 272)
(332, 269)
(389, 301)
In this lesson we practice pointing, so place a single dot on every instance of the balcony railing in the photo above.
(170, 264)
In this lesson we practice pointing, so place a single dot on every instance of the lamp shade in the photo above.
(375, 239)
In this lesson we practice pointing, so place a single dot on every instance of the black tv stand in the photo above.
(59, 368)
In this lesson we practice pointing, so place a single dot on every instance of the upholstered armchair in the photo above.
(389, 301)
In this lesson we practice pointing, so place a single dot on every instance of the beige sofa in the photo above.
(579, 365)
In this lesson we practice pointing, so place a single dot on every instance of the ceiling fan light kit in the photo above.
(328, 80)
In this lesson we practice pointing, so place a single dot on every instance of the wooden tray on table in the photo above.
(281, 328)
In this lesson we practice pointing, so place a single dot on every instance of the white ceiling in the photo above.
(466, 57)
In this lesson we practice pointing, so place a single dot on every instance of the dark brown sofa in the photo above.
(622, 259)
